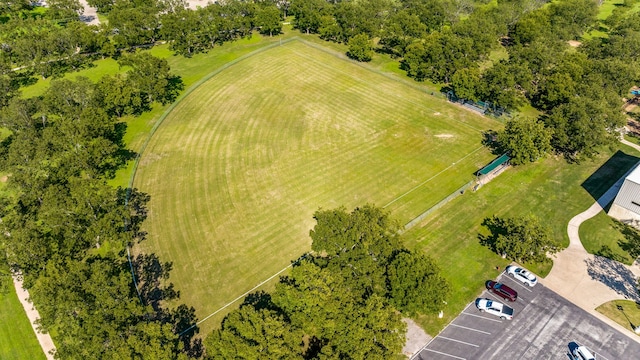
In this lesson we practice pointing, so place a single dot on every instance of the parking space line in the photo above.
(445, 354)
(472, 329)
(501, 299)
(481, 317)
(458, 341)
(526, 287)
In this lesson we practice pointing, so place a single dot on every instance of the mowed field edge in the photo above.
(238, 167)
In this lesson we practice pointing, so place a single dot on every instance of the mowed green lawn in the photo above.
(550, 189)
(237, 169)
(17, 339)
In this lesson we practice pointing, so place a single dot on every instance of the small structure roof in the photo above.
(497, 162)
(634, 176)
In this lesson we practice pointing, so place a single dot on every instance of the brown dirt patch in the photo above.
(633, 127)
(574, 43)
(444, 136)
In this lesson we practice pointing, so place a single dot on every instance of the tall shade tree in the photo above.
(526, 139)
(338, 320)
(400, 30)
(501, 85)
(64, 10)
(308, 14)
(151, 76)
(360, 48)
(415, 284)
(267, 19)
(570, 18)
(135, 24)
(439, 56)
(582, 125)
(465, 83)
(522, 239)
(119, 97)
(250, 333)
(358, 245)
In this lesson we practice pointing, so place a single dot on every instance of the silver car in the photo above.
(522, 275)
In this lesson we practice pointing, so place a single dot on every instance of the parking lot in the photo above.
(543, 326)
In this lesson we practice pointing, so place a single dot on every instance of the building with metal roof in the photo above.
(626, 205)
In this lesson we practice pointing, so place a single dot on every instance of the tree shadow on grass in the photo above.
(155, 290)
(602, 179)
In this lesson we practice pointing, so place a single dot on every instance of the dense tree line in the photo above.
(342, 301)
(577, 90)
(66, 230)
(55, 41)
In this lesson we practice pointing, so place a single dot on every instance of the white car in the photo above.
(582, 353)
(523, 275)
(494, 308)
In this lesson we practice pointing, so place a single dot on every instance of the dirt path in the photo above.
(588, 280)
(44, 339)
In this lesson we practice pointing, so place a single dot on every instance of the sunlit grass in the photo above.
(17, 339)
(237, 169)
(551, 190)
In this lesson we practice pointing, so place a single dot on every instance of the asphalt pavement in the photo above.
(543, 327)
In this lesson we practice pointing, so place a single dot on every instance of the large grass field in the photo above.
(17, 340)
(237, 169)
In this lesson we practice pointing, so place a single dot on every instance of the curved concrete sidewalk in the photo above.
(588, 280)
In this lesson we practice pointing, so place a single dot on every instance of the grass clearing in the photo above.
(237, 169)
(17, 340)
(601, 231)
(549, 189)
(628, 315)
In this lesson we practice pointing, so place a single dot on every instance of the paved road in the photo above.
(543, 326)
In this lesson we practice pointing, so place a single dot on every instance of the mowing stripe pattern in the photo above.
(241, 163)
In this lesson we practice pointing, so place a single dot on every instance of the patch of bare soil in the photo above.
(193, 4)
(574, 43)
(633, 127)
(416, 338)
(444, 136)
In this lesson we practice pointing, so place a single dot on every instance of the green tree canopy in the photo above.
(267, 18)
(522, 239)
(358, 245)
(526, 139)
(415, 284)
(360, 48)
(250, 333)
(465, 83)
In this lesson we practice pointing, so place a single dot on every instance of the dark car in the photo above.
(502, 290)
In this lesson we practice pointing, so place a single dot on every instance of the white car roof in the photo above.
(585, 353)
